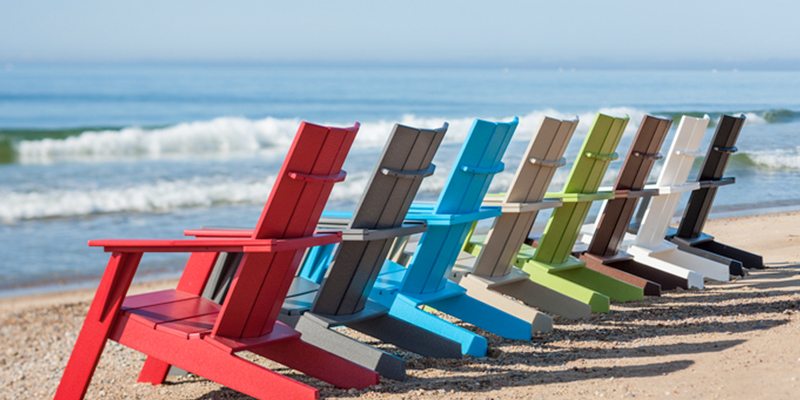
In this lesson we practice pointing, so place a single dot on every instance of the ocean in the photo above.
(90, 151)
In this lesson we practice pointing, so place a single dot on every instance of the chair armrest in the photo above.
(215, 245)
(219, 232)
(716, 182)
(579, 197)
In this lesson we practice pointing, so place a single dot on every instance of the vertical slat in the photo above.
(674, 172)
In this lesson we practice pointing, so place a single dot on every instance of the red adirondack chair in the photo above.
(179, 327)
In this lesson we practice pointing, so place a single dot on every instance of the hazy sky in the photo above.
(585, 34)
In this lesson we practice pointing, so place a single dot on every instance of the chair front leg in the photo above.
(98, 325)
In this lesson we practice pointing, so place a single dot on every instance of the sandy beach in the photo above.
(734, 340)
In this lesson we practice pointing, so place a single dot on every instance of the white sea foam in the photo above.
(160, 196)
(230, 136)
(777, 159)
(218, 137)
(163, 196)
(754, 119)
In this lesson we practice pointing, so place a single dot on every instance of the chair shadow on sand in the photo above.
(650, 319)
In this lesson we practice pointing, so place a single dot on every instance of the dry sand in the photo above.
(736, 340)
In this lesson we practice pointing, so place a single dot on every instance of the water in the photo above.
(146, 151)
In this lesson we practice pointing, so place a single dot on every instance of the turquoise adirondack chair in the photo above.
(424, 283)
(552, 264)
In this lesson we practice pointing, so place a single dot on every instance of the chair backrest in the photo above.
(477, 162)
(585, 177)
(719, 152)
(467, 184)
(535, 172)
(292, 210)
(677, 166)
(617, 214)
(394, 182)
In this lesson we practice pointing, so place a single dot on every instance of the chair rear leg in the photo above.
(484, 316)
(471, 343)
(408, 336)
(319, 363)
(154, 371)
(748, 259)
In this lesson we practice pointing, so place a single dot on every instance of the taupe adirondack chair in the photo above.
(603, 254)
(489, 274)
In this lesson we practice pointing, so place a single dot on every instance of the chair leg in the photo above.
(596, 263)
(205, 359)
(82, 363)
(748, 259)
(599, 301)
(484, 316)
(546, 299)
(540, 322)
(154, 371)
(665, 280)
(362, 354)
(408, 336)
(735, 267)
(611, 287)
(196, 273)
(703, 266)
(98, 325)
(471, 343)
(319, 363)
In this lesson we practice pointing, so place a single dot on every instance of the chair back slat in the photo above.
(476, 164)
(292, 210)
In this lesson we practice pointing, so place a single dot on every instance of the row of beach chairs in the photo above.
(277, 290)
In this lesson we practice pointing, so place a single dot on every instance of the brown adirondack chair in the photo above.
(603, 254)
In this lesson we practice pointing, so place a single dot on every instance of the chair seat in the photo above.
(193, 317)
(174, 312)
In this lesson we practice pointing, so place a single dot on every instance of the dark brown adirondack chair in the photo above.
(689, 236)
(603, 254)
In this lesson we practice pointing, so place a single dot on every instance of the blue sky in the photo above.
(581, 34)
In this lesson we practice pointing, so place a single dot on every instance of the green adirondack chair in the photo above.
(551, 264)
